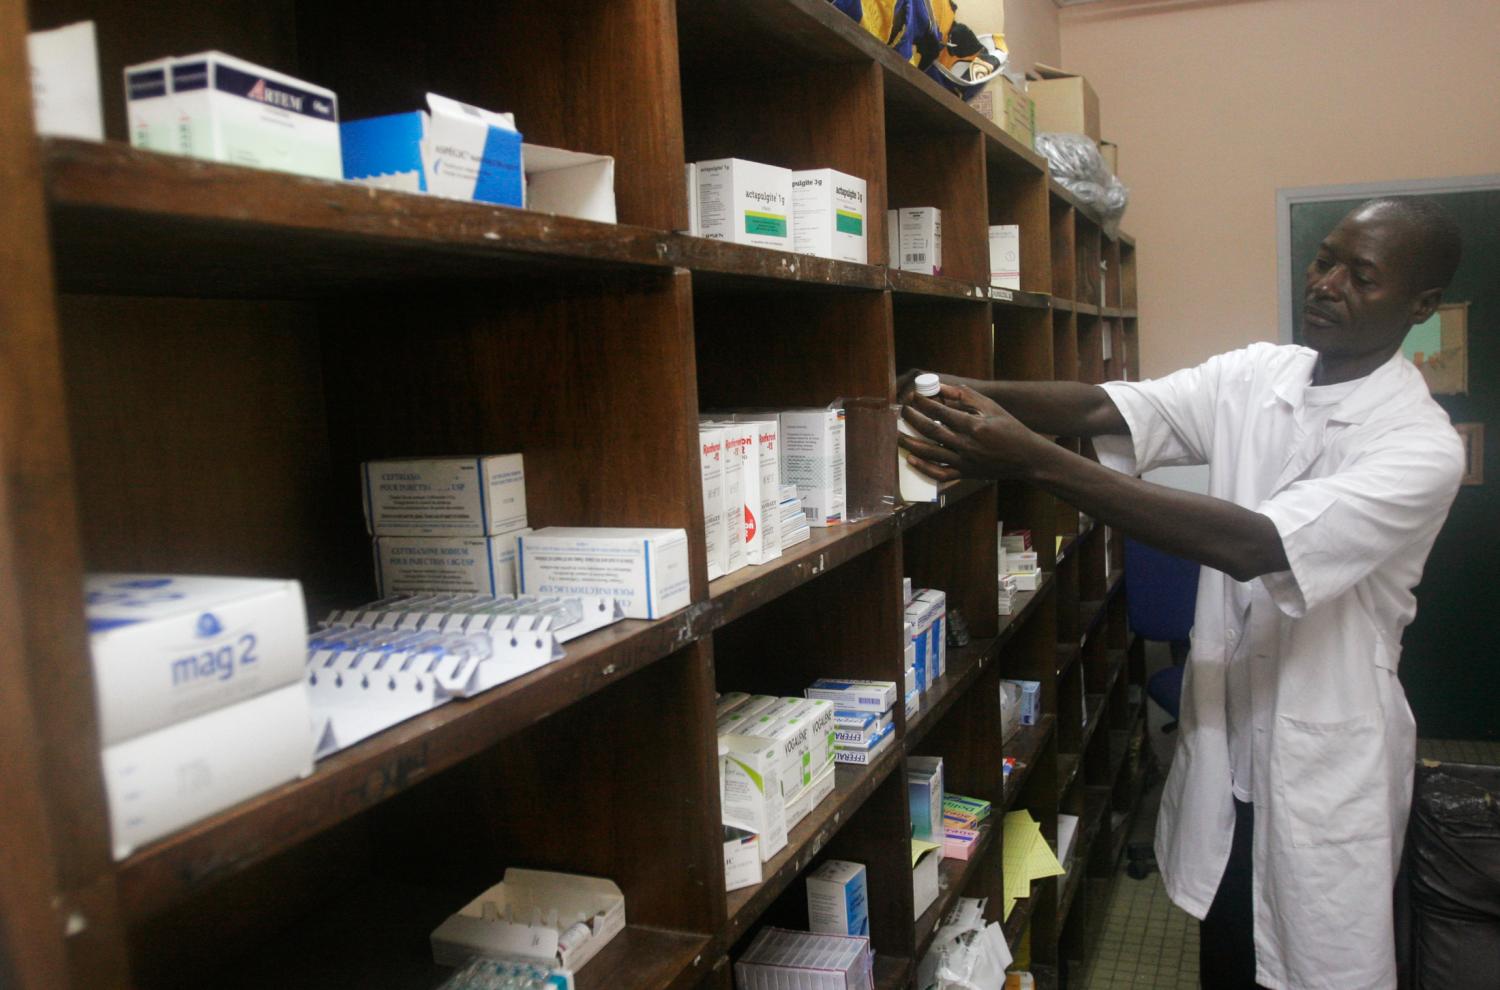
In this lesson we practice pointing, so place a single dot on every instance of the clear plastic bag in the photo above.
(1079, 168)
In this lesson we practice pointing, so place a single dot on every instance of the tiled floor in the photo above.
(1148, 942)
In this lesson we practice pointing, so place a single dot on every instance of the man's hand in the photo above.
(966, 435)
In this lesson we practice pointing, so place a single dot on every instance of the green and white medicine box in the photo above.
(828, 210)
(745, 203)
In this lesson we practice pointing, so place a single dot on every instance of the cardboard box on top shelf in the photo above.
(1110, 152)
(1065, 102)
(1009, 106)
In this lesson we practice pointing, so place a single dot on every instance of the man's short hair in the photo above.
(1435, 235)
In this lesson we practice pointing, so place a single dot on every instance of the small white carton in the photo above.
(711, 460)
(569, 183)
(768, 462)
(745, 203)
(65, 82)
(925, 857)
(862, 755)
(937, 642)
(1005, 255)
(812, 458)
(921, 240)
(741, 858)
(164, 780)
(740, 451)
(231, 110)
(445, 496)
(828, 210)
(838, 900)
(475, 565)
(590, 911)
(858, 695)
(794, 748)
(645, 569)
(149, 114)
(167, 648)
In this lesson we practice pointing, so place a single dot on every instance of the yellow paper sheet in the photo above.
(1026, 857)
(918, 847)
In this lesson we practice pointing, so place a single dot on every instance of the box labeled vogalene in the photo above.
(444, 496)
(646, 570)
(474, 565)
(166, 648)
(234, 111)
(828, 210)
(745, 203)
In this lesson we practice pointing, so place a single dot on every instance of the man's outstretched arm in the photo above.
(1063, 409)
(970, 436)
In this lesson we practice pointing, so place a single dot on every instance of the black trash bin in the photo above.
(1449, 902)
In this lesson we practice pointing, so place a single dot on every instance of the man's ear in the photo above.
(1425, 304)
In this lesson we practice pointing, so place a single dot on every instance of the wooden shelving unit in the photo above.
(195, 357)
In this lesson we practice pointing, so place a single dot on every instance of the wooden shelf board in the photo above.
(954, 875)
(935, 286)
(750, 587)
(1023, 747)
(1020, 917)
(1090, 614)
(719, 263)
(377, 934)
(141, 223)
(1095, 806)
(1067, 656)
(854, 785)
(964, 665)
(892, 972)
(375, 770)
(912, 513)
(1086, 308)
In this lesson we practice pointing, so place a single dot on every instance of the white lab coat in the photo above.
(1358, 505)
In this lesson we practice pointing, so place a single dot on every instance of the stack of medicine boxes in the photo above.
(1018, 559)
(445, 524)
(199, 687)
(862, 716)
(926, 642)
(775, 765)
(750, 516)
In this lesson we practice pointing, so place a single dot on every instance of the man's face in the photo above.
(1358, 294)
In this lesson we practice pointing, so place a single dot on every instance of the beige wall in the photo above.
(1032, 32)
(1217, 103)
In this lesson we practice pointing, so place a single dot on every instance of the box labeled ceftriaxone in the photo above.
(444, 496)
(166, 648)
(812, 458)
(476, 565)
(745, 203)
(451, 149)
(645, 569)
(828, 210)
(231, 110)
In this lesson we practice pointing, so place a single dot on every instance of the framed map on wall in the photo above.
(1440, 349)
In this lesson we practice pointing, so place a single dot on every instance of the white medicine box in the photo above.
(829, 217)
(646, 570)
(480, 927)
(745, 203)
(917, 245)
(444, 496)
(1005, 256)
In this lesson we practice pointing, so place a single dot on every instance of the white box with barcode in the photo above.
(920, 243)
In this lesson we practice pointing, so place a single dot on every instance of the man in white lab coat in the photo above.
(1331, 471)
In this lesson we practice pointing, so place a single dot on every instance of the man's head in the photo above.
(1379, 272)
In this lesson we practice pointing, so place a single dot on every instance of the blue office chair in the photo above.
(1163, 592)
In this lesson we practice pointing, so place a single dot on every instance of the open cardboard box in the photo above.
(480, 928)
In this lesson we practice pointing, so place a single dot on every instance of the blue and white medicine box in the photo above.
(646, 570)
(167, 648)
(924, 791)
(451, 150)
(838, 900)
